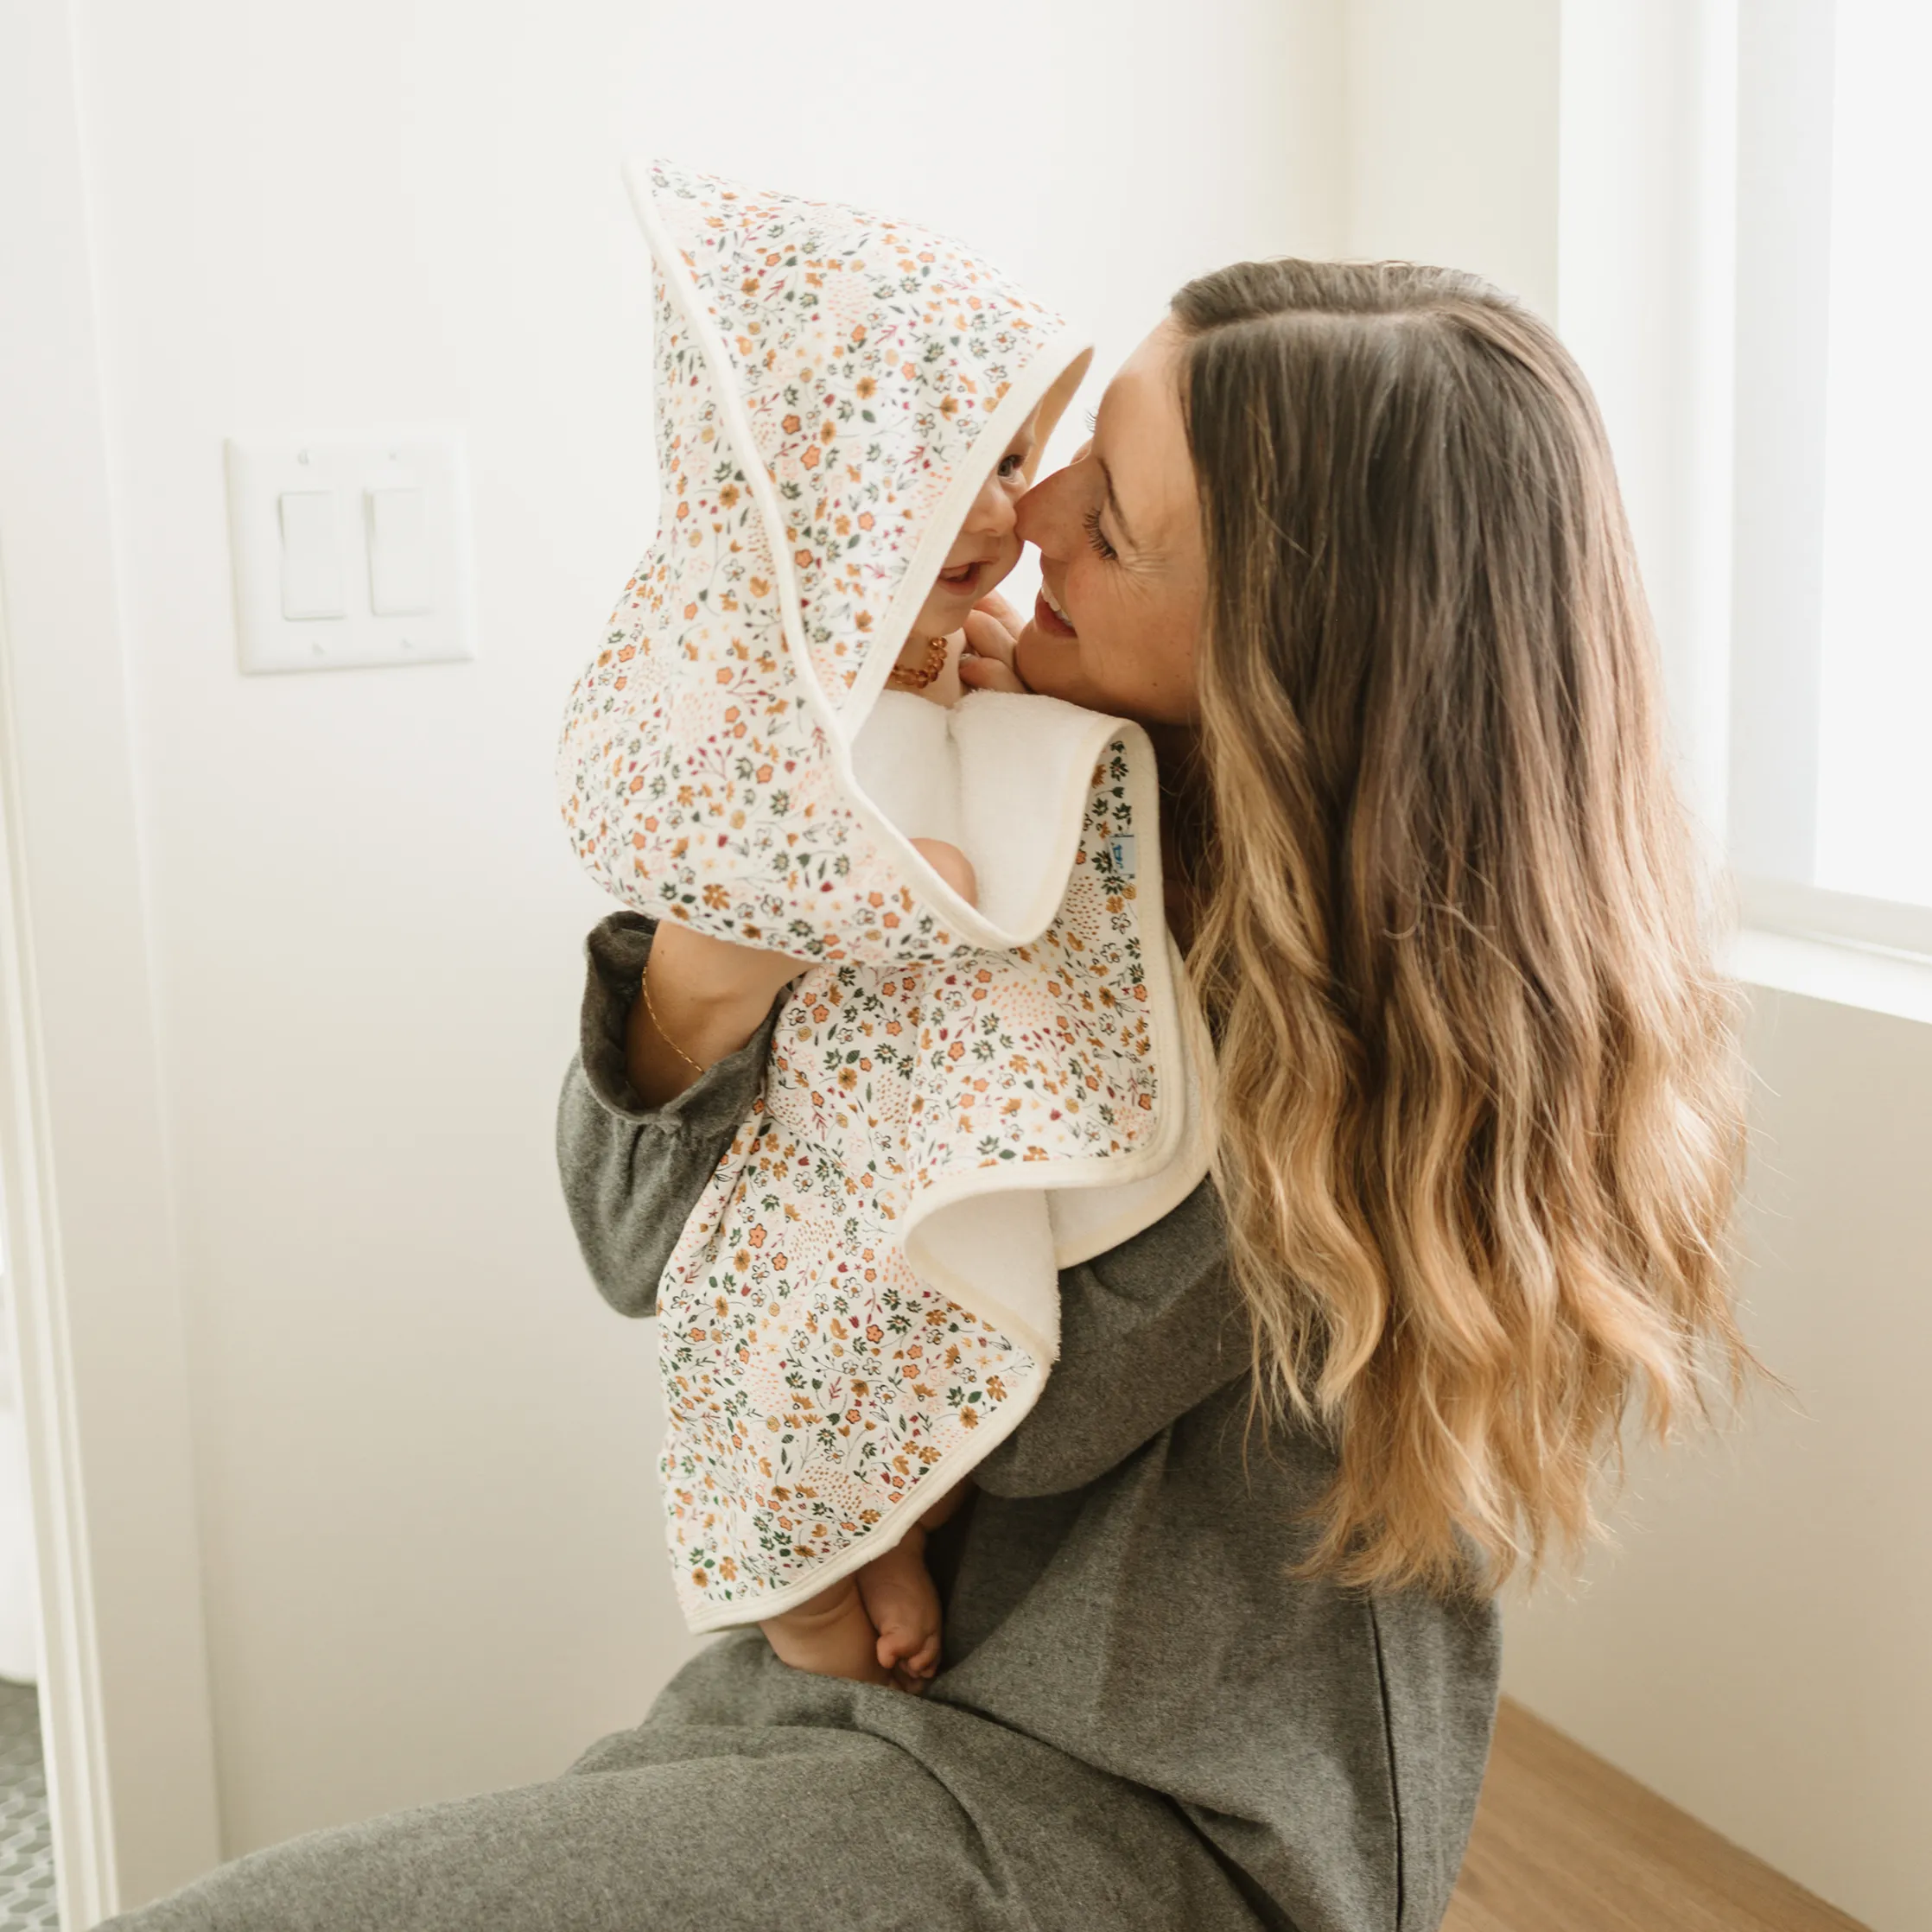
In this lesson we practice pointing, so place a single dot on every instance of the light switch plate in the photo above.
(432, 519)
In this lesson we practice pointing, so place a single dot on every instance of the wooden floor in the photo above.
(1563, 1843)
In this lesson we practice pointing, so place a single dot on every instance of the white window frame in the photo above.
(1783, 198)
(1693, 250)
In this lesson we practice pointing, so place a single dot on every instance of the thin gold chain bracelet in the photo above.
(644, 982)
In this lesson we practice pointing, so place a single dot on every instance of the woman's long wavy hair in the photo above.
(1481, 1118)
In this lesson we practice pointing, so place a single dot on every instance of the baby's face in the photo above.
(988, 545)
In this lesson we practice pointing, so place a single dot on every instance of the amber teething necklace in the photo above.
(908, 679)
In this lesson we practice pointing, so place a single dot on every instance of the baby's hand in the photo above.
(987, 664)
(952, 864)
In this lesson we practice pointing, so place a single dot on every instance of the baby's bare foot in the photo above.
(830, 1636)
(904, 1606)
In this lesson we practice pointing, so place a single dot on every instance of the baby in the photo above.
(881, 1625)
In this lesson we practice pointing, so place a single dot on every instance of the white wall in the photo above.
(423, 1445)
(1451, 137)
(1756, 1651)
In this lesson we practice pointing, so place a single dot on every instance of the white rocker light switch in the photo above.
(299, 513)
(396, 523)
(311, 565)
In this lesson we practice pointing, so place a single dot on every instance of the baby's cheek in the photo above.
(1002, 567)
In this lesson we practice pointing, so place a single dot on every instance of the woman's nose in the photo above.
(1032, 517)
(1044, 515)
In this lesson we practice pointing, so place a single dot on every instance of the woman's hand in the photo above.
(992, 627)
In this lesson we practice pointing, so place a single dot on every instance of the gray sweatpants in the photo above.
(821, 1829)
(753, 1799)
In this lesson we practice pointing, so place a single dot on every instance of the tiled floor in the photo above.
(27, 1902)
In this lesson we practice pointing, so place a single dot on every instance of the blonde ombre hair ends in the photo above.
(1481, 1116)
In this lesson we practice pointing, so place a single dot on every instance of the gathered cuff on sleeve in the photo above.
(615, 955)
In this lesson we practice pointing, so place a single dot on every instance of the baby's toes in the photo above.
(914, 1665)
(915, 1673)
(897, 1643)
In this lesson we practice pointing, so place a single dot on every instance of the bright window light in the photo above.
(1874, 804)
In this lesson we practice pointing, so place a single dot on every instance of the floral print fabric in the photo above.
(831, 388)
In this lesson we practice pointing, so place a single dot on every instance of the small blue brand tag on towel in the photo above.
(1121, 851)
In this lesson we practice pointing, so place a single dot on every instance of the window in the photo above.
(1874, 807)
(1831, 796)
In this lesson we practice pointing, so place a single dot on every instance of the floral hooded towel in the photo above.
(959, 1101)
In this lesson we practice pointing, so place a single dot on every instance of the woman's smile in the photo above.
(1051, 618)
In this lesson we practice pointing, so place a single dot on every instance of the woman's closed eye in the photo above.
(1095, 537)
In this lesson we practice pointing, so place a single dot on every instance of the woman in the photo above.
(1221, 1641)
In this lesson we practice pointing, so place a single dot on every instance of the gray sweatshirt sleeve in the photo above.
(633, 1173)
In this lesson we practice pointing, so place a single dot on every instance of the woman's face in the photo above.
(1121, 552)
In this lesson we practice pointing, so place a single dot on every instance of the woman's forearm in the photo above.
(708, 996)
